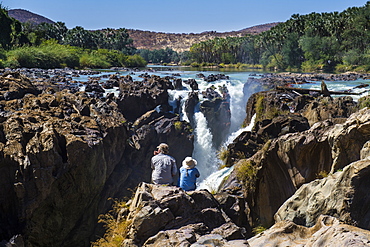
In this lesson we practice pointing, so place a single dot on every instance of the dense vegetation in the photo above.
(164, 56)
(326, 41)
(317, 41)
(54, 46)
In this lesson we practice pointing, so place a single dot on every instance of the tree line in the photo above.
(53, 44)
(316, 41)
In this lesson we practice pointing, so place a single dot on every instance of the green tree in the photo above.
(80, 37)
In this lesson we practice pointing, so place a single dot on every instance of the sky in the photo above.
(176, 16)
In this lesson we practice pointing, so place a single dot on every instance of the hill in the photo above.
(182, 41)
(156, 40)
(27, 16)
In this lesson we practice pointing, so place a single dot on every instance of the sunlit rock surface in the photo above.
(167, 215)
(343, 195)
(289, 161)
(328, 232)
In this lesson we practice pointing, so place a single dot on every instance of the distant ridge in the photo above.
(156, 40)
(183, 41)
(27, 16)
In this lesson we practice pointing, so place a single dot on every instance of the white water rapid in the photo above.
(213, 181)
(204, 151)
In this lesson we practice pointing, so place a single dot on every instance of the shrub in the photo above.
(116, 230)
(135, 61)
(113, 57)
(48, 55)
(258, 229)
(362, 69)
(246, 172)
(93, 60)
(11, 63)
(364, 102)
(322, 174)
(178, 125)
(312, 66)
(343, 68)
(224, 154)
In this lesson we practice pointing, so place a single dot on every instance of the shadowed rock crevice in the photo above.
(63, 154)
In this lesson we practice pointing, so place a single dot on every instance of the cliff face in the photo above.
(283, 152)
(181, 42)
(64, 154)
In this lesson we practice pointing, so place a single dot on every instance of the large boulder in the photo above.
(147, 133)
(328, 231)
(15, 85)
(342, 195)
(167, 215)
(249, 142)
(138, 97)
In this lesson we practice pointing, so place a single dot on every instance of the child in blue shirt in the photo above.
(188, 174)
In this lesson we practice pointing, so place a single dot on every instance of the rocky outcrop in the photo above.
(14, 86)
(139, 97)
(216, 109)
(328, 231)
(342, 195)
(57, 152)
(192, 83)
(269, 104)
(190, 105)
(294, 159)
(165, 215)
(297, 78)
(249, 142)
(212, 77)
(63, 154)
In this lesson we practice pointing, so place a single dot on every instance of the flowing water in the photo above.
(204, 151)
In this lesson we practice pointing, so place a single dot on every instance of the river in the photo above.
(204, 151)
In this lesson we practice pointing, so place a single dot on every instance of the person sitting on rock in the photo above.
(188, 174)
(163, 165)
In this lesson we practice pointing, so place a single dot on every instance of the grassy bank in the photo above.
(50, 54)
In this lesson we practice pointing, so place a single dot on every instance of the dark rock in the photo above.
(190, 104)
(217, 112)
(137, 97)
(94, 88)
(193, 84)
(236, 209)
(281, 125)
(63, 154)
(199, 214)
(178, 84)
(230, 231)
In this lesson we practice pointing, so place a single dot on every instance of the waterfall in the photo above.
(237, 104)
(204, 151)
(213, 181)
